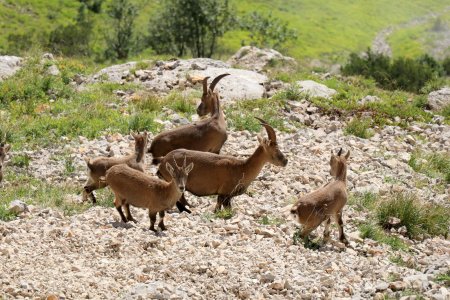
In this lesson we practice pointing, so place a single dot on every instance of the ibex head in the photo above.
(338, 162)
(270, 145)
(209, 96)
(180, 174)
(140, 139)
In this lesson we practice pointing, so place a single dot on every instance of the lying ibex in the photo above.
(206, 135)
(326, 202)
(222, 175)
(98, 166)
(132, 187)
(3, 150)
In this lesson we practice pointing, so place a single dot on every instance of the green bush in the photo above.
(401, 73)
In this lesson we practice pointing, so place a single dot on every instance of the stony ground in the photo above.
(93, 255)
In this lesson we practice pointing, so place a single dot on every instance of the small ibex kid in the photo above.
(326, 202)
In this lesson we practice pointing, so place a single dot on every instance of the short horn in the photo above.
(216, 80)
(205, 85)
(269, 129)
(340, 152)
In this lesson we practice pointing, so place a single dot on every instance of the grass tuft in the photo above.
(435, 165)
(359, 127)
(418, 218)
(374, 232)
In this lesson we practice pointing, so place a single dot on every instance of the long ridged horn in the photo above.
(184, 162)
(269, 129)
(216, 80)
(175, 162)
(340, 152)
(205, 85)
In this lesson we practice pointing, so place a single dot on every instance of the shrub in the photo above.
(266, 31)
(401, 73)
(190, 25)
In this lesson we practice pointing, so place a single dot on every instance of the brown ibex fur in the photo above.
(326, 202)
(222, 175)
(3, 151)
(98, 166)
(207, 135)
(132, 187)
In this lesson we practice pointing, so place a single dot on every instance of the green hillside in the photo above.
(326, 29)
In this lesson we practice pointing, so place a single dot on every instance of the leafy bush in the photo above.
(190, 26)
(266, 31)
(401, 73)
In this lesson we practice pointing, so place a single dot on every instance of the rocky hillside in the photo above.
(252, 252)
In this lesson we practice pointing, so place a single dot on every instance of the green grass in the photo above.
(418, 218)
(436, 165)
(398, 260)
(241, 115)
(374, 232)
(41, 109)
(364, 201)
(21, 160)
(359, 127)
(326, 29)
(225, 213)
(444, 278)
(271, 220)
(40, 193)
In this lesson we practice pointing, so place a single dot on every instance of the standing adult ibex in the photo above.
(223, 175)
(138, 189)
(326, 202)
(98, 166)
(207, 135)
(4, 149)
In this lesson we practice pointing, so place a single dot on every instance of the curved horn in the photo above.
(184, 162)
(205, 85)
(340, 152)
(216, 80)
(269, 129)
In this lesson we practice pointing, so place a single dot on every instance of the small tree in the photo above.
(190, 25)
(121, 41)
(267, 31)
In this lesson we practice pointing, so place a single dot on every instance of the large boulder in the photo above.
(314, 89)
(255, 59)
(439, 99)
(9, 65)
(163, 76)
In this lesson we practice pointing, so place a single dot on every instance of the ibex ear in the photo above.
(7, 148)
(347, 155)
(189, 168)
(260, 139)
(170, 169)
